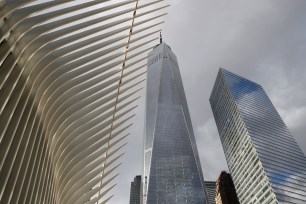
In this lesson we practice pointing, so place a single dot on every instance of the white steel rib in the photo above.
(70, 73)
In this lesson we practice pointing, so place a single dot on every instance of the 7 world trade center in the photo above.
(266, 163)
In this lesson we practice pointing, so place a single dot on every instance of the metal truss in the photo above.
(70, 72)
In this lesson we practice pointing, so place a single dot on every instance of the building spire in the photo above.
(161, 38)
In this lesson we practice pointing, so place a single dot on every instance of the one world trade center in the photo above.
(172, 170)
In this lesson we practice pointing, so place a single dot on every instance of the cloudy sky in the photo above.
(263, 40)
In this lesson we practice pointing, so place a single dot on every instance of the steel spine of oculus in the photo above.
(70, 76)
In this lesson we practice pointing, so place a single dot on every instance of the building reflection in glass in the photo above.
(264, 159)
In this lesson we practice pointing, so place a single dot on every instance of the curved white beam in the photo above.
(67, 93)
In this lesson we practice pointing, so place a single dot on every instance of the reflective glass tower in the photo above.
(172, 168)
(266, 164)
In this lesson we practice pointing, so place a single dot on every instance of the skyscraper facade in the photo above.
(68, 85)
(171, 163)
(266, 164)
(135, 190)
(225, 190)
(211, 191)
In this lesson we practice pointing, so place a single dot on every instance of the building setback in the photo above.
(135, 190)
(266, 164)
(211, 191)
(171, 165)
(225, 190)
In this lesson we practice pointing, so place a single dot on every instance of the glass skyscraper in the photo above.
(266, 164)
(135, 191)
(172, 169)
(211, 191)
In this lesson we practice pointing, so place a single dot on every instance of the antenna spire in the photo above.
(161, 38)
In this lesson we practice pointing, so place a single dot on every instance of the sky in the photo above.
(262, 40)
